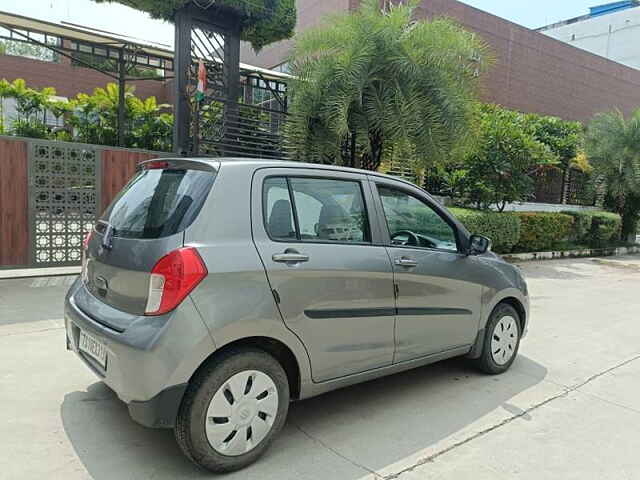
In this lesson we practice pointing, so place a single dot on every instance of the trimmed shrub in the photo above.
(502, 228)
(541, 231)
(596, 229)
(605, 228)
(582, 221)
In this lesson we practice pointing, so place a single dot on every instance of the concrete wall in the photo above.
(615, 36)
(532, 72)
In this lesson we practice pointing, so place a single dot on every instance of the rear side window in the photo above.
(159, 203)
(315, 210)
(279, 213)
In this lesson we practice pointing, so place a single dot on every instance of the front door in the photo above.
(334, 286)
(438, 307)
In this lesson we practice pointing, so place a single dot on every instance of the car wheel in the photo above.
(232, 410)
(502, 340)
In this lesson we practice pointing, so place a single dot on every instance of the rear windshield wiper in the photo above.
(107, 238)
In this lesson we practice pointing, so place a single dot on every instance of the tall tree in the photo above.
(498, 169)
(563, 137)
(613, 147)
(261, 21)
(376, 77)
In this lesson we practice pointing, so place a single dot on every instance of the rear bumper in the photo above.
(149, 364)
(160, 411)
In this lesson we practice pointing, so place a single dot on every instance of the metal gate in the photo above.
(64, 196)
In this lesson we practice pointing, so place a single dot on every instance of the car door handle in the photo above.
(290, 257)
(406, 262)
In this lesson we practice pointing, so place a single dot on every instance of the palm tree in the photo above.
(613, 147)
(375, 78)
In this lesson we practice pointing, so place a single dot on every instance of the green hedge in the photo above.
(595, 229)
(542, 231)
(502, 228)
(604, 229)
(582, 221)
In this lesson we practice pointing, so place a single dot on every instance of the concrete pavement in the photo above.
(569, 408)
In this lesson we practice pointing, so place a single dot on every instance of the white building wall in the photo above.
(615, 36)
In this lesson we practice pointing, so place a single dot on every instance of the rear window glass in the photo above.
(159, 203)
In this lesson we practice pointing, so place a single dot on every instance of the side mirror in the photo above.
(479, 244)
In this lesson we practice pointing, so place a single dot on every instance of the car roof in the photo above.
(260, 163)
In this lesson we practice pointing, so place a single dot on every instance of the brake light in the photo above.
(156, 165)
(85, 245)
(173, 278)
(87, 239)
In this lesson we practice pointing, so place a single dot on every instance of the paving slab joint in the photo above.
(506, 421)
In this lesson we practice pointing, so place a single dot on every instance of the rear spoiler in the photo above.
(179, 163)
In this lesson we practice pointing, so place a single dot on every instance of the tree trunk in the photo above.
(372, 160)
(630, 216)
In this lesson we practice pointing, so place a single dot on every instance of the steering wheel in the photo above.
(412, 240)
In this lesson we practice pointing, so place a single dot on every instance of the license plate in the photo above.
(94, 349)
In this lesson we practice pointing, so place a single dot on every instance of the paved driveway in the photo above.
(569, 408)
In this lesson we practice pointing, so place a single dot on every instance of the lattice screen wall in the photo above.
(63, 200)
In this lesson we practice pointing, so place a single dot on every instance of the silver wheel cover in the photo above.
(241, 413)
(504, 340)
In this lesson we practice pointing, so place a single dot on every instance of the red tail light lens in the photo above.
(87, 239)
(173, 278)
(85, 245)
(156, 165)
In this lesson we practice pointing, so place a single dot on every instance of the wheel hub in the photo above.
(241, 413)
(245, 412)
(504, 340)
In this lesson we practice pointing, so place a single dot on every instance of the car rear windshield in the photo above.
(159, 203)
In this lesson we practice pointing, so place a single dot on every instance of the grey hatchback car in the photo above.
(213, 292)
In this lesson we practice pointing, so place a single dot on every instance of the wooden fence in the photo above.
(37, 192)
(14, 201)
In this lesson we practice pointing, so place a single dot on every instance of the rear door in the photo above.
(334, 284)
(438, 302)
(143, 223)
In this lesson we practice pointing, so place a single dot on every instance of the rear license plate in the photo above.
(93, 348)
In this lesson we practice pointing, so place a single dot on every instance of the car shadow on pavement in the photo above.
(374, 424)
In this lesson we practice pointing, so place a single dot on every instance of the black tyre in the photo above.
(232, 410)
(501, 341)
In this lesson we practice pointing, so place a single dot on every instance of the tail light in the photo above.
(87, 239)
(85, 246)
(173, 278)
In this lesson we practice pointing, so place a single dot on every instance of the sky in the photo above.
(535, 13)
(123, 20)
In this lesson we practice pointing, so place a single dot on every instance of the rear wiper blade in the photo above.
(107, 238)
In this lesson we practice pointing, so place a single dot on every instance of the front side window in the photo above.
(325, 210)
(414, 223)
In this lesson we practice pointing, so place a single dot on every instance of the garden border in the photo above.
(580, 253)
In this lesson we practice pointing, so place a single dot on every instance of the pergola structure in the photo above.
(225, 119)
(245, 106)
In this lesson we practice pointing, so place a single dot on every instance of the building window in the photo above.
(17, 43)
(282, 68)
